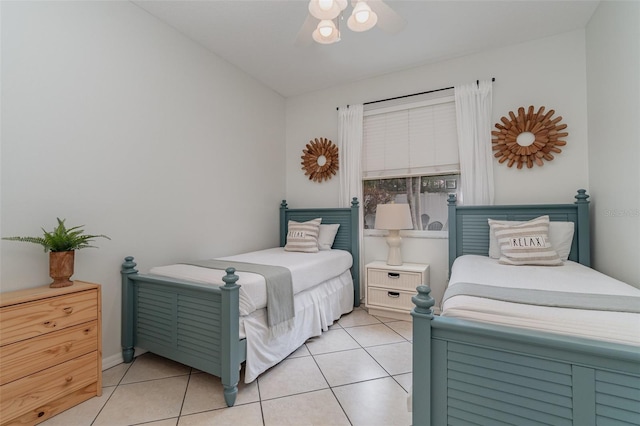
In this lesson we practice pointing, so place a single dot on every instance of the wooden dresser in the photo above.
(50, 351)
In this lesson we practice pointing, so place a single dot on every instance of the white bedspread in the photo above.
(619, 327)
(307, 271)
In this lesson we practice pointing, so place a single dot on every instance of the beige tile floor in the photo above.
(357, 373)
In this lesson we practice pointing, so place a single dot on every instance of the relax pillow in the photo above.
(303, 236)
(327, 236)
(526, 243)
(560, 237)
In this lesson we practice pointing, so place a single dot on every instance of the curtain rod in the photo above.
(414, 94)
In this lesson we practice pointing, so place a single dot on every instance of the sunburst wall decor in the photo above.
(320, 159)
(528, 138)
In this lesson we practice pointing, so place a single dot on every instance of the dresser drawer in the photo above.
(46, 351)
(385, 298)
(400, 280)
(32, 392)
(27, 320)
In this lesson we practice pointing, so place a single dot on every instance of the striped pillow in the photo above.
(303, 236)
(526, 243)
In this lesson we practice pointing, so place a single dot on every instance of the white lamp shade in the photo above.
(362, 18)
(393, 216)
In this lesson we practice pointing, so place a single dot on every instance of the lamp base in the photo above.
(394, 257)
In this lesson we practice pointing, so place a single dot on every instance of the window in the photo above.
(426, 196)
(410, 155)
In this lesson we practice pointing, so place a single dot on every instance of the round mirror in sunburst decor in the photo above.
(528, 138)
(320, 159)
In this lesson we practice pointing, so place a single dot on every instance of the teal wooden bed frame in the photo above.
(473, 373)
(198, 325)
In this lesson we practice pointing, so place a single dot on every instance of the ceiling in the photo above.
(259, 36)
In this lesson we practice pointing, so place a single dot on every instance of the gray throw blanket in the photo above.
(557, 299)
(280, 310)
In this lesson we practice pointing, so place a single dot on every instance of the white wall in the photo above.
(113, 120)
(613, 77)
(549, 72)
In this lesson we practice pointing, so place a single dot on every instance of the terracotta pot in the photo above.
(61, 268)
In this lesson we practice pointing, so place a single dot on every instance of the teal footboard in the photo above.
(466, 372)
(193, 324)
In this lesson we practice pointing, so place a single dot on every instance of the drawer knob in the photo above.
(393, 275)
(41, 413)
(68, 309)
(69, 379)
(393, 294)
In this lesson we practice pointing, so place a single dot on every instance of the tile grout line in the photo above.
(329, 384)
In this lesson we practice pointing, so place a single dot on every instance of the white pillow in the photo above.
(560, 237)
(327, 235)
(526, 243)
(303, 236)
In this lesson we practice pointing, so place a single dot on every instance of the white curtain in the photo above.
(473, 113)
(350, 153)
(350, 121)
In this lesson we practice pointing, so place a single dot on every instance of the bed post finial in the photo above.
(423, 301)
(582, 196)
(231, 277)
(452, 199)
(283, 204)
(129, 266)
(354, 202)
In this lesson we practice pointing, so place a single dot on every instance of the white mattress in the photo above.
(619, 327)
(307, 271)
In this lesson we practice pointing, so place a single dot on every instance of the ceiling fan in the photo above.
(325, 19)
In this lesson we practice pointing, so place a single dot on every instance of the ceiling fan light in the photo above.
(325, 4)
(326, 32)
(362, 18)
(361, 12)
(316, 9)
(326, 28)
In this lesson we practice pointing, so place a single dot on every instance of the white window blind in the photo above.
(417, 138)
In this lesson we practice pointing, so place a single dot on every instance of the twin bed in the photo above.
(565, 353)
(216, 319)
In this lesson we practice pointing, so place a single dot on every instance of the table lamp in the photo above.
(393, 217)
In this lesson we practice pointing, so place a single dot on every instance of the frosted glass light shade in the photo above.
(326, 9)
(362, 18)
(326, 32)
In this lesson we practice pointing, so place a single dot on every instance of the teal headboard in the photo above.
(469, 229)
(346, 239)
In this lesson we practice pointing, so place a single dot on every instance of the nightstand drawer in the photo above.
(385, 298)
(401, 280)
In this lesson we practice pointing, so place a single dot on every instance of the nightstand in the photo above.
(390, 288)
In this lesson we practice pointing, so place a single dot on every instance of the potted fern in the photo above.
(61, 243)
